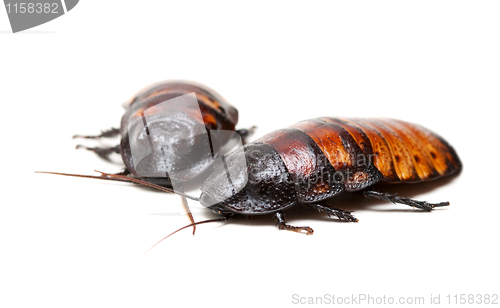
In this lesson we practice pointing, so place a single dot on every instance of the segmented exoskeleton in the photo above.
(317, 159)
(168, 122)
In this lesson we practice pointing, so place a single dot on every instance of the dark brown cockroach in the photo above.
(317, 159)
(212, 113)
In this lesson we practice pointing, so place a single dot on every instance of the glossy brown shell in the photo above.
(402, 152)
(216, 112)
(320, 158)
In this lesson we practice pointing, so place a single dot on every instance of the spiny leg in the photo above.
(394, 198)
(102, 152)
(245, 133)
(113, 132)
(340, 214)
(282, 225)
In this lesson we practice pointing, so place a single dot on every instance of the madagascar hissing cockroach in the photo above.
(212, 111)
(160, 109)
(317, 159)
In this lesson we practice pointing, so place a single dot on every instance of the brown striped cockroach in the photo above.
(208, 112)
(212, 111)
(314, 160)
(317, 159)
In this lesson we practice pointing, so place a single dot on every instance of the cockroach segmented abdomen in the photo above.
(326, 156)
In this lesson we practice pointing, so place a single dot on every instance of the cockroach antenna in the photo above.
(165, 189)
(187, 226)
(123, 178)
(149, 184)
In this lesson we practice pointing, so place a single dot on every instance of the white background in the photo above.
(68, 242)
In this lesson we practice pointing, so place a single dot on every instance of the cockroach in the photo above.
(212, 112)
(317, 159)
(215, 114)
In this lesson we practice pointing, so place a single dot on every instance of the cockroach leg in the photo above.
(186, 208)
(245, 133)
(394, 198)
(282, 225)
(340, 214)
(110, 133)
(101, 152)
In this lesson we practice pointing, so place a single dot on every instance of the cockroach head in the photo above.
(229, 176)
(251, 180)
